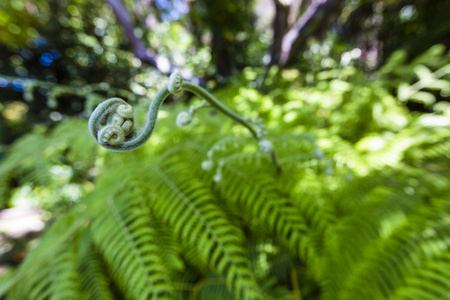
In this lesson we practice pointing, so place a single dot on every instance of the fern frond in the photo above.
(33, 156)
(71, 140)
(390, 240)
(256, 195)
(66, 281)
(36, 284)
(34, 278)
(429, 282)
(338, 223)
(28, 161)
(123, 236)
(94, 277)
(165, 238)
(396, 259)
(213, 285)
(187, 206)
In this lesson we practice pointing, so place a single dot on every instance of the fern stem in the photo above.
(202, 93)
(196, 289)
(275, 160)
(295, 287)
(199, 91)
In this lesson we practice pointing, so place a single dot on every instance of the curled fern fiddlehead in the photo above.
(111, 124)
(265, 146)
(175, 83)
(112, 135)
(183, 119)
(207, 165)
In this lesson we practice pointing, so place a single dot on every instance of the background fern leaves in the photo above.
(256, 194)
(94, 275)
(63, 269)
(343, 221)
(187, 206)
(124, 235)
(51, 270)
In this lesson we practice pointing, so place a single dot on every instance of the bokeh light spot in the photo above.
(46, 59)
(15, 111)
(3, 82)
(73, 10)
(55, 116)
(18, 85)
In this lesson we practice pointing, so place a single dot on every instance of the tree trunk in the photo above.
(279, 26)
(312, 22)
(146, 55)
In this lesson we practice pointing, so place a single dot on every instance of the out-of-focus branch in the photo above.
(146, 55)
(310, 23)
(279, 26)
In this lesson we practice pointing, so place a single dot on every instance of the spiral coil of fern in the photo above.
(111, 124)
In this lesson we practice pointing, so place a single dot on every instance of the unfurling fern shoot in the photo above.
(111, 124)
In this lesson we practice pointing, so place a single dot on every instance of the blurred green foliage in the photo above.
(65, 48)
(362, 127)
(360, 210)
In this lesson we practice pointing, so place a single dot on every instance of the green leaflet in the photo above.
(345, 219)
